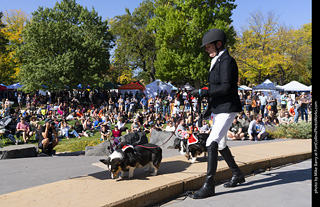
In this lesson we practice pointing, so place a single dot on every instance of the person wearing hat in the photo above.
(224, 104)
(48, 137)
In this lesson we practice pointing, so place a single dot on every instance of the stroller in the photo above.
(7, 125)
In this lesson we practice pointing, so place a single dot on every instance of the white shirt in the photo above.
(256, 127)
(263, 100)
(175, 110)
(170, 129)
(214, 60)
(64, 130)
(120, 124)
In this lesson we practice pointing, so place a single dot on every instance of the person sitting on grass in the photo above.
(159, 125)
(121, 124)
(235, 131)
(205, 129)
(65, 129)
(71, 116)
(104, 131)
(88, 126)
(97, 123)
(24, 129)
(135, 127)
(170, 127)
(153, 127)
(116, 132)
(79, 113)
(8, 134)
(48, 137)
(268, 122)
(79, 129)
(257, 129)
(286, 119)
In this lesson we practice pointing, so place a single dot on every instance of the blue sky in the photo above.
(291, 12)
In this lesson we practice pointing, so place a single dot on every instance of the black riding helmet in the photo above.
(214, 35)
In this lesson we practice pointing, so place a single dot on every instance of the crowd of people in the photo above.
(100, 111)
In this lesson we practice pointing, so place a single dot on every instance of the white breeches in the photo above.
(221, 123)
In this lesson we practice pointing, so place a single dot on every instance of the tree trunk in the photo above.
(197, 84)
(152, 73)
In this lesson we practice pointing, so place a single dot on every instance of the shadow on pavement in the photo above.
(273, 179)
(139, 173)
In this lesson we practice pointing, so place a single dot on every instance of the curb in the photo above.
(173, 189)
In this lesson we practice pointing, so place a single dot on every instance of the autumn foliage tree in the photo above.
(267, 49)
(14, 21)
(3, 49)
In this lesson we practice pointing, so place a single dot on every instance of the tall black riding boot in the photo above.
(237, 176)
(207, 189)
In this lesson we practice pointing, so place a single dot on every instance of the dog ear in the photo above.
(105, 161)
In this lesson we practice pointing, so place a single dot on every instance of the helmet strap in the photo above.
(218, 49)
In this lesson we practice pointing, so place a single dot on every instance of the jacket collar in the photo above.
(218, 58)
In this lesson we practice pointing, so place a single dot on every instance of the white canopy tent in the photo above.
(246, 88)
(15, 86)
(295, 86)
(187, 87)
(153, 89)
(265, 86)
(173, 88)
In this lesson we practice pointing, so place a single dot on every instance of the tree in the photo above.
(253, 47)
(3, 39)
(267, 49)
(179, 27)
(15, 21)
(4, 66)
(135, 45)
(290, 55)
(3, 52)
(64, 46)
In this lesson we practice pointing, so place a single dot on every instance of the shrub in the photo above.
(301, 130)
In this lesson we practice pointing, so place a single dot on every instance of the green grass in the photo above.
(72, 144)
(78, 144)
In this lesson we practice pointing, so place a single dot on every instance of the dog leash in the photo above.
(172, 132)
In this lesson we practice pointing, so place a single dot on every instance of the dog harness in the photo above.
(127, 146)
(192, 139)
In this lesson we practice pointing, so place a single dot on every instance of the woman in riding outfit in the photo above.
(224, 103)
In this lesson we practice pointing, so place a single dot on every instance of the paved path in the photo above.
(95, 188)
(19, 174)
(289, 185)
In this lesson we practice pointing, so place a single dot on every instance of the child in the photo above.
(115, 143)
